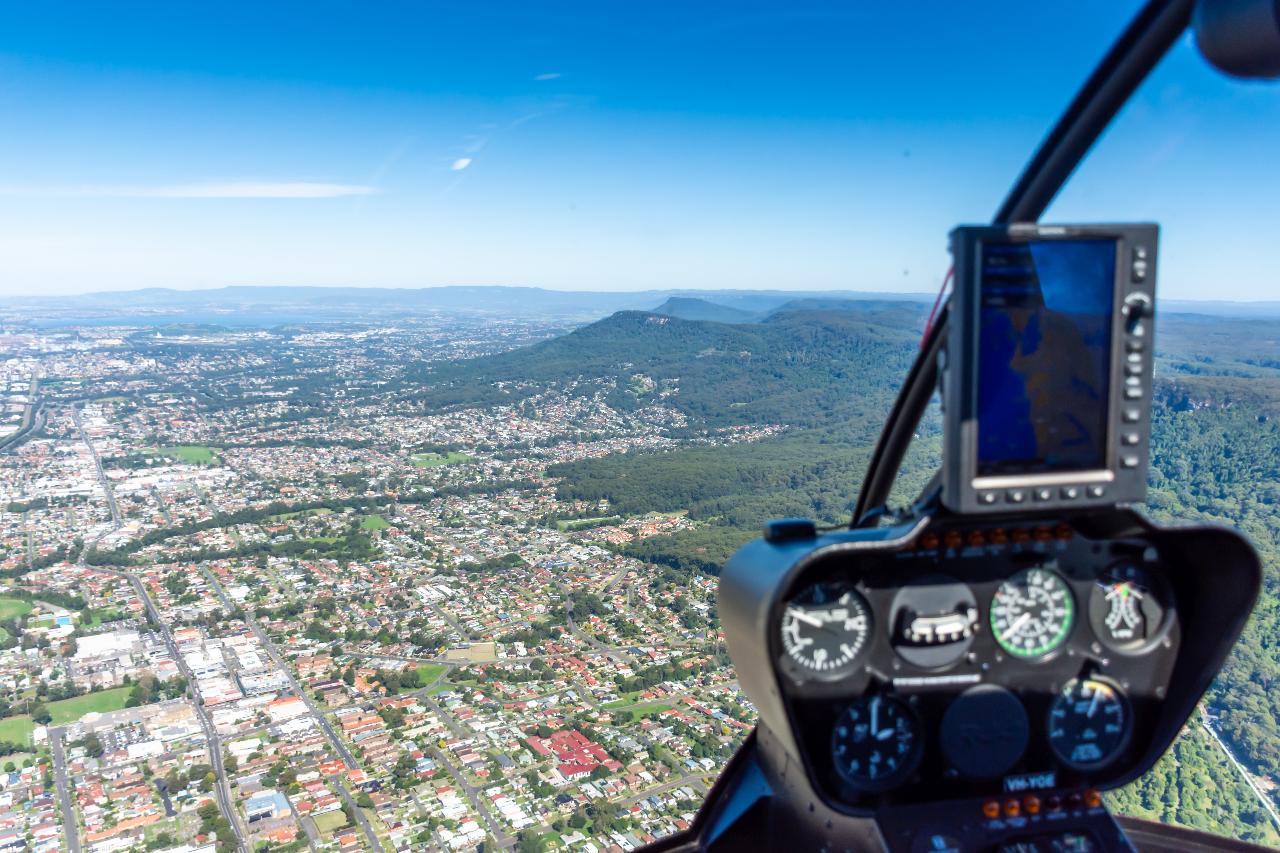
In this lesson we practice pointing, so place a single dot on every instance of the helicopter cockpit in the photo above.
(972, 672)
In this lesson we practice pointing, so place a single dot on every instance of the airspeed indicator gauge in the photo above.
(1032, 613)
(824, 631)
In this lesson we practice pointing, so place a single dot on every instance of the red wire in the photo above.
(934, 313)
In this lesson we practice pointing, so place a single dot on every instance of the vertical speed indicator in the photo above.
(1032, 613)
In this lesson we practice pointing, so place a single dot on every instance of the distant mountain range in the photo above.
(267, 306)
(690, 308)
(256, 306)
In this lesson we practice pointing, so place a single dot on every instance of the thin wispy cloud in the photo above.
(551, 75)
(226, 189)
(460, 164)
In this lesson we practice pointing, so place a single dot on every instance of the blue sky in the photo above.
(602, 145)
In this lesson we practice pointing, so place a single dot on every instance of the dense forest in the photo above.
(1195, 785)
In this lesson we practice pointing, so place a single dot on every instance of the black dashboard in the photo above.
(975, 681)
(978, 659)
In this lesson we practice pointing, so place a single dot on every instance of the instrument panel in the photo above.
(974, 660)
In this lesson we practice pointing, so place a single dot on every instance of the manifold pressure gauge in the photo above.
(824, 631)
(1088, 723)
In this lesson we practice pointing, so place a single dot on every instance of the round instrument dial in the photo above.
(876, 743)
(934, 619)
(1126, 608)
(1032, 613)
(1088, 723)
(824, 630)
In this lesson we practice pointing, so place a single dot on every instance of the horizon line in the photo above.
(661, 290)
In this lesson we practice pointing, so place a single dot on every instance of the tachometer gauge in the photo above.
(1032, 613)
(824, 630)
(876, 743)
(1088, 723)
(1126, 608)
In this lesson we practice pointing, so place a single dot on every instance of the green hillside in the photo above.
(802, 368)
(690, 308)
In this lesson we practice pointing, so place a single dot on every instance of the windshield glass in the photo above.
(383, 388)
(1190, 152)
(567, 145)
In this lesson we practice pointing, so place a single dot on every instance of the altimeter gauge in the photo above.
(824, 631)
(1032, 613)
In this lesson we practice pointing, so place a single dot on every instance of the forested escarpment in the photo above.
(1224, 465)
(804, 368)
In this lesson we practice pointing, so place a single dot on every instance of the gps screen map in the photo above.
(1045, 356)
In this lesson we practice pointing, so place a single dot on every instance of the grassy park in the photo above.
(14, 608)
(435, 460)
(70, 710)
(191, 454)
(17, 729)
(329, 822)
(429, 672)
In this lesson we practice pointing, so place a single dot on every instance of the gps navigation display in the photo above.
(1044, 365)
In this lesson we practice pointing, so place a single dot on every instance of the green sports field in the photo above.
(17, 729)
(70, 710)
(192, 454)
(435, 460)
(14, 608)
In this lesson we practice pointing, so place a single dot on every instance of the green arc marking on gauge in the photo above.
(1068, 621)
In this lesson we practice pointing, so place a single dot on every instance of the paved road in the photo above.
(603, 650)
(611, 651)
(453, 623)
(1207, 722)
(695, 782)
(70, 831)
(449, 721)
(321, 719)
(106, 488)
(32, 412)
(221, 786)
(616, 579)
(478, 801)
(477, 798)
(222, 789)
(228, 606)
(361, 818)
(163, 504)
(97, 461)
(33, 393)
